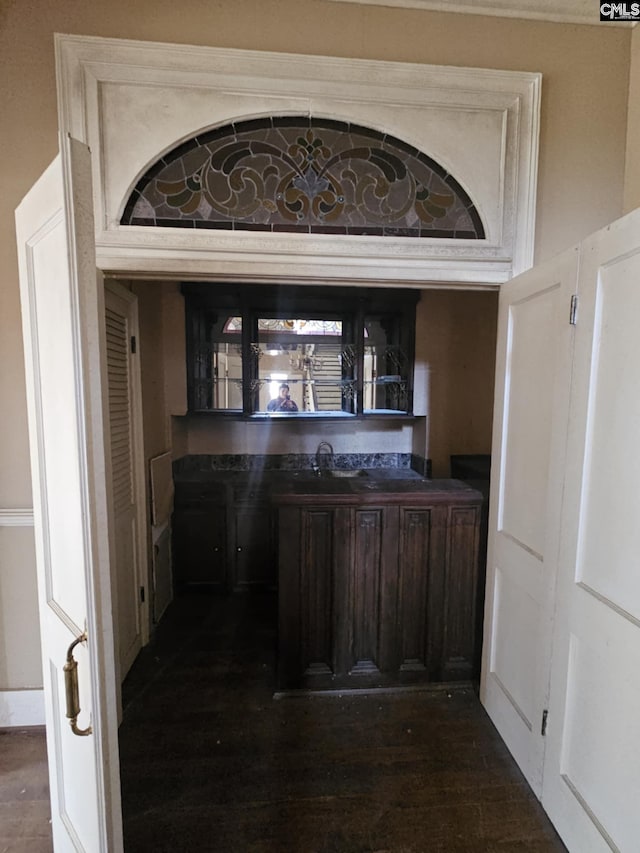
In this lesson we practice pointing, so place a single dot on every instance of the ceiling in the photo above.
(569, 11)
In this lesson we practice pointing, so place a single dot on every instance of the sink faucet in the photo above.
(324, 451)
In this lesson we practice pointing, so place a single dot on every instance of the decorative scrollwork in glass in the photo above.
(311, 175)
(348, 355)
(395, 356)
(348, 389)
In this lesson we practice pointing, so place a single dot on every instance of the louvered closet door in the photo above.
(120, 318)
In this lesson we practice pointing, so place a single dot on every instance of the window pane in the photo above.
(218, 376)
(303, 367)
(386, 366)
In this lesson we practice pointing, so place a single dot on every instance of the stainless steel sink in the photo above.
(346, 472)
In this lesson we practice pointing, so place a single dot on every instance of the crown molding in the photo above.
(571, 12)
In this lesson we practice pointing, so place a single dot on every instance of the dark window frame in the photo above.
(209, 304)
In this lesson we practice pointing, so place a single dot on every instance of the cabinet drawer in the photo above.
(247, 493)
(190, 495)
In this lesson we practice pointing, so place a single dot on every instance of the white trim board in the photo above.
(21, 708)
(16, 518)
(131, 102)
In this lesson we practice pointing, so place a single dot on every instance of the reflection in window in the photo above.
(309, 355)
(233, 324)
(386, 377)
(216, 362)
(342, 352)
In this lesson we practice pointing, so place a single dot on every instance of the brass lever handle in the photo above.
(72, 690)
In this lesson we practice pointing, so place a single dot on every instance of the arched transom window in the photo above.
(299, 174)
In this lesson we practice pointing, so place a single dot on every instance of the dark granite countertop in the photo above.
(273, 478)
(371, 489)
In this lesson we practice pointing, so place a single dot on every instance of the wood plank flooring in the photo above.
(24, 792)
(212, 762)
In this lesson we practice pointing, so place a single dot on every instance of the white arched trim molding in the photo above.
(131, 101)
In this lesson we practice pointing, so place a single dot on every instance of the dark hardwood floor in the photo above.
(212, 762)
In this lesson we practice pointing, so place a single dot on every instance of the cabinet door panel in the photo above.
(254, 559)
(316, 593)
(365, 592)
(460, 594)
(200, 547)
(414, 587)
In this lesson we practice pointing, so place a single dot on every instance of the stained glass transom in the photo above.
(303, 175)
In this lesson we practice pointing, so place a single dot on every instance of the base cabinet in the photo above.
(252, 547)
(200, 554)
(223, 537)
(378, 595)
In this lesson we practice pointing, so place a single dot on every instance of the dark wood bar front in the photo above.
(378, 582)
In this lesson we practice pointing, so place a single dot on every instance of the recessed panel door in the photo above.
(63, 330)
(592, 772)
(533, 371)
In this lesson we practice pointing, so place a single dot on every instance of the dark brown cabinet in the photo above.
(252, 539)
(200, 553)
(223, 536)
(378, 590)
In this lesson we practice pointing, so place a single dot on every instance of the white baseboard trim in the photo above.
(21, 708)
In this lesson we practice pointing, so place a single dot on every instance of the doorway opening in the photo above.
(456, 332)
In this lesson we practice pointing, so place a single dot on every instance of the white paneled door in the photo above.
(63, 328)
(533, 373)
(591, 785)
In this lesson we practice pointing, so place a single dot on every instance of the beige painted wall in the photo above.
(19, 627)
(632, 164)
(153, 340)
(458, 332)
(583, 133)
(296, 436)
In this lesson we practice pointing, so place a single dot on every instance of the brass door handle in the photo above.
(71, 688)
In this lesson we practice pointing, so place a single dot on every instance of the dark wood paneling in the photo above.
(414, 571)
(387, 593)
(365, 592)
(316, 593)
(289, 603)
(460, 592)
